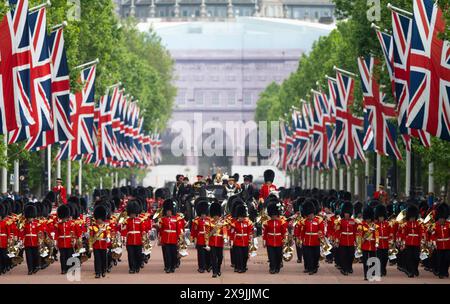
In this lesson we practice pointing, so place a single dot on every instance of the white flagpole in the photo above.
(5, 170)
(378, 172)
(356, 191)
(322, 180)
(329, 179)
(58, 169)
(16, 177)
(408, 173)
(49, 168)
(431, 177)
(303, 177)
(349, 179)
(101, 182)
(333, 179)
(317, 175)
(312, 178)
(80, 180)
(69, 177)
(341, 178)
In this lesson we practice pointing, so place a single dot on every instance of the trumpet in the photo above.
(46, 247)
(263, 217)
(80, 251)
(288, 251)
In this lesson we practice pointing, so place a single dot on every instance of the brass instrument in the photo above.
(263, 217)
(325, 247)
(252, 249)
(14, 249)
(158, 214)
(116, 247)
(182, 246)
(393, 251)
(288, 251)
(122, 218)
(80, 251)
(147, 245)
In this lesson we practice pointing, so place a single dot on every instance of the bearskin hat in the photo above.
(51, 196)
(17, 207)
(412, 212)
(248, 178)
(269, 176)
(30, 212)
(317, 205)
(273, 209)
(170, 204)
(442, 211)
(202, 206)
(333, 193)
(161, 194)
(83, 205)
(347, 196)
(73, 200)
(3, 211)
(75, 211)
(347, 207)
(357, 208)
(236, 204)
(374, 203)
(124, 191)
(297, 204)
(242, 211)
(100, 212)
(308, 208)
(133, 207)
(368, 214)
(97, 193)
(140, 191)
(215, 209)
(115, 192)
(380, 211)
(389, 210)
(39, 209)
(63, 212)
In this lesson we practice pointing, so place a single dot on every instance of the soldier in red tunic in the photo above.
(30, 236)
(367, 231)
(311, 234)
(169, 234)
(345, 236)
(60, 190)
(99, 236)
(65, 236)
(441, 240)
(4, 235)
(274, 234)
(133, 229)
(269, 177)
(242, 232)
(216, 238)
(385, 236)
(200, 229)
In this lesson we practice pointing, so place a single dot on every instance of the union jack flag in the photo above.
(309, 123)
(16, 108)
(156, 144)
(429, 107)
(321, 149)
(348, 127)
(286, 144)
(385, 141)
(106, 143)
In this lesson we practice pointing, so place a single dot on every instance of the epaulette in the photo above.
(319, 219)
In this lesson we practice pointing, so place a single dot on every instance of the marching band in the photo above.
(319, 225)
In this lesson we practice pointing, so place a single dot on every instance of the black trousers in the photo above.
(412, 259)
(241, 258)
(366, 255)
(3, 259)
(401, 259)
(203, 258)
(311, 256)
(64, 255)
(232, 259)
(346, 257)
(383, 255)
(32, 257)
(299, 253)
(216, 255)
(170, 256)
(442, 262)
(100, 260)
(275, 257)
(134, 257)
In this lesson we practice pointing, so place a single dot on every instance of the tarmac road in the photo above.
(258, 273)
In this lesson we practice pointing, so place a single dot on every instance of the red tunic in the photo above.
(274, 232)
(62, 192)
(169, 230)
(200, 228)
(30, 234)
(368, 235)
(312, 231)
(265, 191)
(133, 229)
(217, 239)
(412, 233)
(4, 233)
(242, 232)
(64, 233)
(441, 235)
(346, 233)
(385, 234)
(102, 241)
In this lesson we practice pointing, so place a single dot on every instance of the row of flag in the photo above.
(37, 107)
(325, 132)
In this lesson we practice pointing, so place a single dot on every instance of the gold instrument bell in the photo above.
(14, 249)
(182, 247)
(253, 249)
(288, 250)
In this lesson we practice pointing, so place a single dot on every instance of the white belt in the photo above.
(64, 236)
(274, 234)
(30, 235)
(383, 237)
(202, 232)
(413, 234)
(311, 233)
(347, 233)
(240, 234)
(170, 231)
(3, 235)
(443, 240)
(133, 232)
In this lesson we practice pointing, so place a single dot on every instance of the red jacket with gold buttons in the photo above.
(274, 232)
(200, 229)
(385, 234)
(265, 191)
(4, 233)
(102, 241)
(30, 233)
(242, 232)
(169, 230)
(217, 239)
(64, 233)
(441, 235)
(312, 231)
(133, 229)
(346, 232)
(412, 233)
(368, 233)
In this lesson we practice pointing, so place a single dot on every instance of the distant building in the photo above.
(310, 10)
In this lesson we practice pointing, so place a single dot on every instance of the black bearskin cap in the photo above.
(368, 213)
(63, 212)
(202, 206)
(17, 207)
(30, 212)
(237, 202)
(442, 211)
(100, 212)
(3, 211)
(347, 207)
(51, 196)
(357, 208)
(308, 208)
(374, 203)
(248, 178)
(269, 176)
(297, 205)
(74, 211)
(161, 193)
(39, 209)
(241, 211)
(346, 196)
(73, 200)
(170, 204)
(115, 192)
(83, 205)
(412, 212)
(215, 209)
(273, 209)
(133, 207)
(380, 211)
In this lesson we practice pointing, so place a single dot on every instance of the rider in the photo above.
(59, 189)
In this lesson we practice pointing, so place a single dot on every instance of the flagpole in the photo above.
(80, 180)
(58, 169)
(366, 176)
(399, 10)
(69, 177)
(46, 4)
(341, 178)
(408, 173)
(101, 182)
(349, 179)
(4, 169)
(303, 177)
(311, 180)
(431, 178)
(377, 186)
(356, 191)
(333, 179)
(82, 66)
(317, 175)
(49, 168)
(16, 177)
